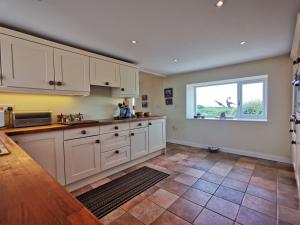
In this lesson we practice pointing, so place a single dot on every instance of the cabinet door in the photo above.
(26, 64)
(116, 157)
(104, 73)
(82, 158)
(139, 142)
(115, 140)
(157, 139)
(47, 150)
(71, 71)
(129, 81)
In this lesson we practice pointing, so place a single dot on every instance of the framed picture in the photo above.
(144, 104)
(169, 101)
(144, 97)
(168, 92)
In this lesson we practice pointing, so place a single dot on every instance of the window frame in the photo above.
(240, 82)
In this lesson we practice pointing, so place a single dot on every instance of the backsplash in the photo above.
(99, 105)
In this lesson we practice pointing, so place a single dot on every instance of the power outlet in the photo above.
(6, 106)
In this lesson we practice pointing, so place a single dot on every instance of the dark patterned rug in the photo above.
(104, 199)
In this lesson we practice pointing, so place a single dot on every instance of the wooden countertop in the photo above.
(29, 195)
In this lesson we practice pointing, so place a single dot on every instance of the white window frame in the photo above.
(192, 98)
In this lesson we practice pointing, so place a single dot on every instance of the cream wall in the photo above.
(98, 105)
(266, 138)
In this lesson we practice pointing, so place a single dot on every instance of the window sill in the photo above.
(231, 119)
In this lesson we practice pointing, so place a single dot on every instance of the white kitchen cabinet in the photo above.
(139, 142)
(113, 141)
(47, 149)
(129, 82)
(71, 71)
(112, 158)
(82, 158)
(157, 135)
(104, 73)
(26, 64)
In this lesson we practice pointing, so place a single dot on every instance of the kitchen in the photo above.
(103, 132)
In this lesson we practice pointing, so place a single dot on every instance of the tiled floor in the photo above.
(210, 189)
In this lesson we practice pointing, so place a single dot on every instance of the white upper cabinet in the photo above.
(26, 64)
(104, 73)
(129, 82)
(71, 71)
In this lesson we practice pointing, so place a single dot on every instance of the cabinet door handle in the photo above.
(59, 83)
(97, 141)
(150, 124)
(291, 130)
(116, 127)
(51, 82)
(117, 151)
(139, 124)
(297, 122)
(106, 83)
(293, 142)
(83, 131)
(122, 89)
(132, 134)
(116, 134)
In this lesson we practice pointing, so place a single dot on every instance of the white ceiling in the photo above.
(196, 32)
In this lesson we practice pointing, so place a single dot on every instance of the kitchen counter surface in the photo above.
(53, 127)
(29, 195)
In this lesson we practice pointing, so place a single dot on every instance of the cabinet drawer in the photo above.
(114, 128)
(111, 141)
(134, 125)
(115, 157)
(81, 132)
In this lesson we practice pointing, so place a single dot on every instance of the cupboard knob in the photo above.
(150, 124)
(132, 134)
(139, 124)
(116, 134)
(117, 152)
(292, 120)
(291, 131)
(297, 122)
(293, 142)
(106, 83)
(116, 127)
(83, 131)
(51, 82)
(59, 83)
(97, 141)
(122, 89)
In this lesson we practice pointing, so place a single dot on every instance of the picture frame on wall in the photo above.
(144, 104)
(144, 97)
(169, 101)
(168, 92)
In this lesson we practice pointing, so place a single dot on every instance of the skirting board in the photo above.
(234, 151)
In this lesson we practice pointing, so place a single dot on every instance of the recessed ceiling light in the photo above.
(243, 42)
(220, 3)
(175, 60)
(133, 42)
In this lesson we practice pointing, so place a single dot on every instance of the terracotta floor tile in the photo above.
(178, 157)
(174, 187)
(262, 193)
(239, 176)
(187, 163)
(235, 184)
(100, 182)
(288, 201)
(287, 180)
(206, 186)
(163, 198)
(168, 218)
(250, 217)
(133, 202)
(214, 178)
(242, 170)
(221, 169)
(185, 209)
(289, 215)
(194, 172)
(265, 172)
(116, 175)
(149, 191)
(223, 207)
(263, 183)
(230, 194)
(126, 219)
(205, 164)
(112, 216)
(208, 217)
(246, 165)
(178, 168)
(197, 196)
(81, 190)
(289, 190)
(186, 179)
(146, 211)
(260, 205)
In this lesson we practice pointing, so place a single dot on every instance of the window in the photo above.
(244, 98)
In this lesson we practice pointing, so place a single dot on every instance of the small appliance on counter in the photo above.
(123, 112)
(30, 119)
(2, 117)
(73, 119)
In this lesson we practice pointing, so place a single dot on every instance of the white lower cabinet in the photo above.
(139, 142)
(116, 157)
(113, 141)
(157, 135)
(47, 149)
(82, 158)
